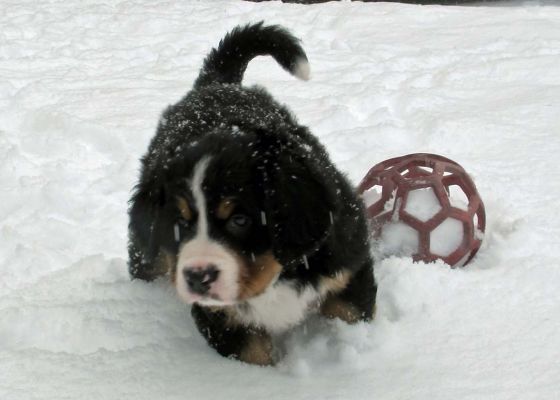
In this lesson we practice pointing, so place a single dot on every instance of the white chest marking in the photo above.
(280, 307)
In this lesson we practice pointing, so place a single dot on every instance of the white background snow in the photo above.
(82, 84)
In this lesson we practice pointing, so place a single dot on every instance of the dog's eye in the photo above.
(240, 220)
(238, 224)
(183, 221)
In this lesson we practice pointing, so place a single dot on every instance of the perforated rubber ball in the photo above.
(425, 206)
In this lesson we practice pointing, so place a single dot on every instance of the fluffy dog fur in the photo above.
(243, 209)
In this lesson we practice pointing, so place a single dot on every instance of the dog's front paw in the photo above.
(258, 350)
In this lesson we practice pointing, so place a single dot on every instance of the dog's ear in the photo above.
(149, 229)
(301, 201)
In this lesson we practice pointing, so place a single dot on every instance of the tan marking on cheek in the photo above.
(333, 307)
(163, 263)
(173, 270)
(184, 208)
(335, 283)
(257, 276)
(225, 209)
(257, 350)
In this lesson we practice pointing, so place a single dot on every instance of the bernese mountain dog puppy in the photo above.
(243, 209)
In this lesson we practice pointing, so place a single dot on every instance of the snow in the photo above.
(458, 198)
(422, 204)
(396, 239)
(446, 237)
(372, 195)
(82, 86)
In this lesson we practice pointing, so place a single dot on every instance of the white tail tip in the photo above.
(302, 69)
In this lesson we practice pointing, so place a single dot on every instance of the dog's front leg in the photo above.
(357, 301)
(253, 346)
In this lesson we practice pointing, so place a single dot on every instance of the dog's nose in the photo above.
(200, 279)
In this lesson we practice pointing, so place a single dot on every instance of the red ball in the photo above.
(432, 196)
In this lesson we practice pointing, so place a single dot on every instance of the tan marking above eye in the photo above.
(225, 208)
(184, 208)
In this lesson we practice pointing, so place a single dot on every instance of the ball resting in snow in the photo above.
(425, 206)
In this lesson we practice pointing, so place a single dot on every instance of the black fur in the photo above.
(315, 224)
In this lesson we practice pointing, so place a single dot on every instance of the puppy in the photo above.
(243, 209)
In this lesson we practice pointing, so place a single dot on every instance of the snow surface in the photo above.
(82, 84)
(422, 204)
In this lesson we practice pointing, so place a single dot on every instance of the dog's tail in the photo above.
(227, 62)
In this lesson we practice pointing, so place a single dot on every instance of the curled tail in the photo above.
(227, 63)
